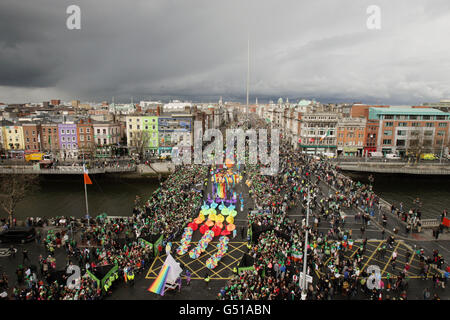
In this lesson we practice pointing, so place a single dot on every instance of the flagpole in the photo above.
(85, 191)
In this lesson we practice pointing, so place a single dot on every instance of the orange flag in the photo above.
(87, 180)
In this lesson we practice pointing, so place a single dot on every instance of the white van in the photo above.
(393, 156)
(376, 154)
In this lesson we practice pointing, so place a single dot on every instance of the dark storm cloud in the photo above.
(198, 48)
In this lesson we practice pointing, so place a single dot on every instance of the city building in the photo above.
(443, 105)
(68, 140)
(75, 103)
(406, 130)
(13, 135)
(106, 138)
(149, 125)
(86, 144)
(318, 132)
(175, 129)
(32, 137)
(50, 138)
(351, 133)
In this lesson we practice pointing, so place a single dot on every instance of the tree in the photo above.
(13, 189)
(140, 140)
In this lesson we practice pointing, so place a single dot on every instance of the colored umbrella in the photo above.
(209, 223)
(216, 230)
(203, 229)
(193, 226)
(231, 227)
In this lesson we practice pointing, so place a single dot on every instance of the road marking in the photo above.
(390, 258)
(216, 274)
(372, 255)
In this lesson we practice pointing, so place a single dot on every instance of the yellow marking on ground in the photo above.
(372, 255)
(390, 258)
(214, 275)
(412, 258)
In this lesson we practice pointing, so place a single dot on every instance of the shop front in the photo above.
(350, 151)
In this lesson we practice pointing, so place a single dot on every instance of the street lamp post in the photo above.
(442, 148)
(305, 254)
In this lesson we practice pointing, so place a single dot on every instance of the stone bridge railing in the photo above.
(63, 170)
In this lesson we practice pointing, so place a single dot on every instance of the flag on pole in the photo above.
(87, 180)
(326, 135)
(446, 222)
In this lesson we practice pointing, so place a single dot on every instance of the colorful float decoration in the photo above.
(202, 244)
(222, 248)
(185, 241)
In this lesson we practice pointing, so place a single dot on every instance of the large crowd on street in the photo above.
(278, 251)
(277, 248)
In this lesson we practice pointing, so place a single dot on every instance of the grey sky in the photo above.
(198, 49)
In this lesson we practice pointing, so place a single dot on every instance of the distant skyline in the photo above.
(197, 50)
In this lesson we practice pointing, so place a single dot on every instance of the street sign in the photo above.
(308, 277)
(300, 280)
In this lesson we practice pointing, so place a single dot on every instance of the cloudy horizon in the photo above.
(197, 50)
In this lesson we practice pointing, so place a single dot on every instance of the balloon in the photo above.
(193, 226)
(231, 227)
(209, 223)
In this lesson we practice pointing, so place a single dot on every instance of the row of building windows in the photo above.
(412, 117)
(413, 133)
(138, 127)
(416, 124)
(145, 120)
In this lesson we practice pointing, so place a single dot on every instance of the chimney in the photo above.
(158, 110)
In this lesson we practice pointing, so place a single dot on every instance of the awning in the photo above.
(313, 146)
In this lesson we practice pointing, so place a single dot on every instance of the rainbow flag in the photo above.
(160, 281)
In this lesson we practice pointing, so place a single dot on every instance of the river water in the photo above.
(64, 195)
(114, 194)
(433, 191)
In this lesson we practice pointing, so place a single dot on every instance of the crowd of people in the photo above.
(104, 241)
(278, 251)
(277, 247)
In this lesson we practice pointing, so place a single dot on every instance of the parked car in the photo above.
(18, 235)
(393, 156)
(428, 156)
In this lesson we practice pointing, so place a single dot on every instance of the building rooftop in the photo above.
(374, 112)
(408, 110)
